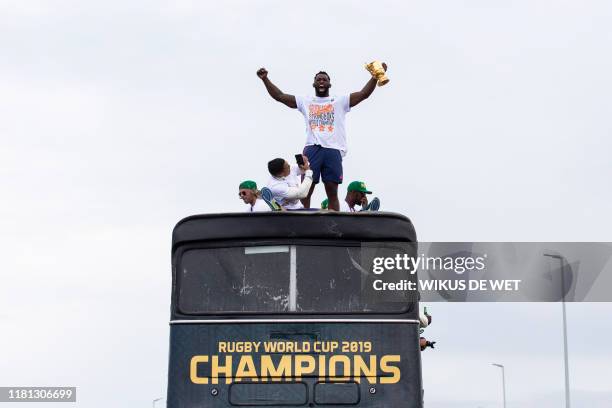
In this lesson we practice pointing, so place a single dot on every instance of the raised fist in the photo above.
(262, 73)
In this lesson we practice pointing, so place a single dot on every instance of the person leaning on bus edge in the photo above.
(285, 184)
(247, 191)
(424, 322)
(355, 195)
(325, 132)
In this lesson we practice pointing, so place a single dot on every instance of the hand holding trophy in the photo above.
(377, 69)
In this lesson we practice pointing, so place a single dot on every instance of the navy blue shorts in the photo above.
(325, 163)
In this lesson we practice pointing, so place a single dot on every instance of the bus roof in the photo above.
(361, 226)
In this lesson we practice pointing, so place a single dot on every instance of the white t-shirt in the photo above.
(325, 120)
(345, 207)
(259, 206)
(280, 187)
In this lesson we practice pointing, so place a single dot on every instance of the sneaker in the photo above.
(368, 206)
(268, 197)
(266, 194)
(374, 205)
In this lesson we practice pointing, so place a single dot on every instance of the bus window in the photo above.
(235, 280)
(327, 279)
(334, 279)
(286, 278)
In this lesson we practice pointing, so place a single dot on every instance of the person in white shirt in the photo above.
(325, 131)
(286, 185)
(247, 191)
(355, 196)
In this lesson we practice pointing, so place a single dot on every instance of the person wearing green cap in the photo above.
(355, 195)
(248, 192)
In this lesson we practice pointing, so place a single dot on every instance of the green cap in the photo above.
(358, 186)
(248, 185)
(325, 204)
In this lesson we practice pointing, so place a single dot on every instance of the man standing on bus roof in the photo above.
(248, 192)
(325, 131)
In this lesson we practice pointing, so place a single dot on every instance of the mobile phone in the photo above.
(299, 159)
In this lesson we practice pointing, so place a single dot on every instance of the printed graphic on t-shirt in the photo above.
(321, 117)
(324, 120)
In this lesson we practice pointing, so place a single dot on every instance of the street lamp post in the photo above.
(503, 380)
(155, 400)
(567, 387)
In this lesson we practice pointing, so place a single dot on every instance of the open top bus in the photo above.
(279, 309)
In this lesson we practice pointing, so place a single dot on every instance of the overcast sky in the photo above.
(119, 118)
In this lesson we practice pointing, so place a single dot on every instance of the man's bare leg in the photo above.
(332, 195)
(306, 201)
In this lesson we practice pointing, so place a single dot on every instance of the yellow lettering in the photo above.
(304, 365)
(271, 347)
(346, 363)
(246, 369)
(275, 373)
(193, 369)
(385, 368)
(218, 369)
(361, 368)
(321, 368)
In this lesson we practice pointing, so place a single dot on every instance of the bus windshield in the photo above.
(288, 279)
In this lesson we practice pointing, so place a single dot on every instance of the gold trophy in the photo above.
(376, 69)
